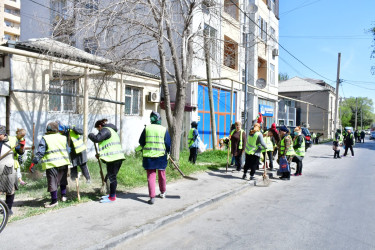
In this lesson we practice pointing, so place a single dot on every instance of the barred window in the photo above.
(59, 102)
(132, 101)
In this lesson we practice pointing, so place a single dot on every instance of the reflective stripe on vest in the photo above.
(251, 145)
(301, 150)
(341, 138)
(282, 147)
(190, 137)
(56, 154)
(241, 131)
(155, 146)
(77, 140)
(111, 149)
(269, 144)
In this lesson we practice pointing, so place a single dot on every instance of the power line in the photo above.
(364, 82)
(287, 51)
(341, 37)
(359, 86)
(299, 7)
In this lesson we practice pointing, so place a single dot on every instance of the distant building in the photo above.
(10, 19)
(319, 117)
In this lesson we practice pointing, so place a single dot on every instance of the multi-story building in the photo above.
(319, 116)
(243, 50)
(10, 19)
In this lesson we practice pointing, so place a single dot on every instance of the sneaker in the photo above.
(107, 200)
(51, 205)
(88, 181)
(10, 212)
(352, 156)
(252, 178)
(106, 196)
(296, 174)
(151, 201)
(161, 195)
(299, 174)
(63, 199)
(244, 176)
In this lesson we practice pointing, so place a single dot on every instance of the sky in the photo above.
(315, 31)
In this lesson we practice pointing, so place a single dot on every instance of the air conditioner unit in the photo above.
(153, 97)
(275, 52)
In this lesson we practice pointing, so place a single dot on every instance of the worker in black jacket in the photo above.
(349, 143)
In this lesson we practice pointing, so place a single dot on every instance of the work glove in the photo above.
(31, 168)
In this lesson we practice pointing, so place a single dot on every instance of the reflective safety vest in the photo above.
(341, 138)
(282, 147)
(190, 137)
(241, 131)
(111, 149)
(301, 150)
(269, 144)
(251, 144)
(77, 140)
(155, 146)
(56, 154)
(13, 142)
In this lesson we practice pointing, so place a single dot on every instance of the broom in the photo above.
(103, 189)
(179, 170)
(266, 179)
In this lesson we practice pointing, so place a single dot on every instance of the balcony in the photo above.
(12, 30)
(13, 18)
(13, 3)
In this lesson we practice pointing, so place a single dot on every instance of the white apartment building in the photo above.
(10, 20)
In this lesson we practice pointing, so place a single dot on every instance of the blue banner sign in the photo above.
(266, 110)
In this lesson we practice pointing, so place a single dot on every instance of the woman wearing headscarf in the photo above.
(156, 144)
(193, 140)
(237, 139)
(299, 149)
(254, 146)
(285, 150)
(110, 152)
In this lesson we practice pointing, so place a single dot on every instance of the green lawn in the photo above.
(30, 199)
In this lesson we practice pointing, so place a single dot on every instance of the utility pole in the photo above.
(246, 80)
(209, 83)
(361, 117)
(356, 112)
(337, 92)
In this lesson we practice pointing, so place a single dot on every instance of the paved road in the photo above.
(330, 207)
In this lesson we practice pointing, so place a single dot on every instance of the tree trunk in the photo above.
(210, 92)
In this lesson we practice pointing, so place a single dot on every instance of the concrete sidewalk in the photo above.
(94, 225)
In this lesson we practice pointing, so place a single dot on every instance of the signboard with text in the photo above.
(266, 110)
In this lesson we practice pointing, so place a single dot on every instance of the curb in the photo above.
(147, 228)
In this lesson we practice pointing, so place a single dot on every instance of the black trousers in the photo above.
(251, 162)
(269, 157)
(193, 155)
(112, 171)
(336, 154)
(84, 169)
(346, 150)
(298, 160)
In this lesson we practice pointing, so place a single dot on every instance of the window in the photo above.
(272, 5)
(132, 101)
(90, 45)
(230, 53)
(272, 74)
(291, 123)
(281, 122)
(211, 33)
(262, 28)
(62, 103)
(231, 8)
(7, 37)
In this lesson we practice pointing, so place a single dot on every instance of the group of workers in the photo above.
(345, 139)
(258, 144)
(62, 147)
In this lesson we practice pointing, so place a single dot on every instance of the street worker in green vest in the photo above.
(270, 142)
(299, 149)
(286, 151)
(9, 150)
(193, 141)
(78, 154)
(110, 152)
(54, 156)
(156, 144)
(237, 139)
(349, 142)
(254, 146)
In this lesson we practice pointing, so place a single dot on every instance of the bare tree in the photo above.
(152, 35)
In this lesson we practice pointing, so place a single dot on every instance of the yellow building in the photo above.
(10, 19)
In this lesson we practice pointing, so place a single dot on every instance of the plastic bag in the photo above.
(202, 147)
(284, 165)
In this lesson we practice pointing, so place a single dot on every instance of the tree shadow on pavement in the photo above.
(222, 173)
(138, 197)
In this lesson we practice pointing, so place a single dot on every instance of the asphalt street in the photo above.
(331, 206)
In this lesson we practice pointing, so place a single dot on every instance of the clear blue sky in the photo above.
(315, 31)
